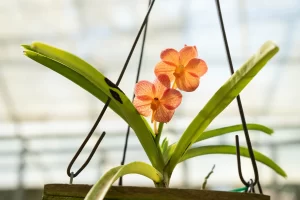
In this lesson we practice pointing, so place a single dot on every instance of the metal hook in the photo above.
(251, 183)
(73, 175)
(250, 188)
(239, 102)
(238, 157)
(106, 104)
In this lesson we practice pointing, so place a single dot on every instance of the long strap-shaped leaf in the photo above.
(228, 149)
(218, 132)
(93, 81)
(230, 129)
(99, 190)
(221, 99)
(75, 77)
(65, 64)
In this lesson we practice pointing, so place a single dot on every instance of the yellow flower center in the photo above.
(154, 104)
(178, 71)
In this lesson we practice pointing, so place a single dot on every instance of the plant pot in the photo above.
(78, 192)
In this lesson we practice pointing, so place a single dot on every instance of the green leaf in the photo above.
(218, 132)
(75, 77)
(94, 82)
(159, 132)
(228, 149)
(99, 190)
(220, 100)
(229, 129)
(164, 145)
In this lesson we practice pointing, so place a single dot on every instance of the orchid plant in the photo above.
(177, 71)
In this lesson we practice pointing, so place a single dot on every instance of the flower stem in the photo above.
(155, 127)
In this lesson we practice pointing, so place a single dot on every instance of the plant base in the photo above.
(78, 192)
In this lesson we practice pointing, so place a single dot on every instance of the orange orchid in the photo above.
(156, 98)
(183, 67)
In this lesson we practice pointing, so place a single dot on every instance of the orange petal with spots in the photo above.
(170, 56)
(187, 82)
(162, 114)
(165, 69)
(196, 67)
(171, 99)
(187, 53)
(161, 84)
(142, 106)
(144, 89)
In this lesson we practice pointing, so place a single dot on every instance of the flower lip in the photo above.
(155, 104)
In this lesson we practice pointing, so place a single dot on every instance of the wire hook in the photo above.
(238, 157)
(73, 175)
(71, 178)
(251, 188)
(251, 183)
(106, 105)
(240, 106)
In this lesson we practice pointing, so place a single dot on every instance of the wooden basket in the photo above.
(78, 192)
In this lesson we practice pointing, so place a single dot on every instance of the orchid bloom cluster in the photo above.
(181, 69)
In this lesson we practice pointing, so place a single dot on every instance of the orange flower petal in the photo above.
(170, 56)
(187, 82)
(163, 114)
(171, 99)
(187, 53)
(161, 84)
(144, 89)
(166, 69)
(142, 106)
(196, 67)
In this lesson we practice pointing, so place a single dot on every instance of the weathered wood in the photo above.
(78, 192)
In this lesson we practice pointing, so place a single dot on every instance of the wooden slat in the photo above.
(78, 192)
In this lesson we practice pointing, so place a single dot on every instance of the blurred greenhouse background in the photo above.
(44, 117)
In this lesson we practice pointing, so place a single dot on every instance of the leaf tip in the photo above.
(284, 175)
(271, 131)
(269, 45)
(27, 47)
(267, 130)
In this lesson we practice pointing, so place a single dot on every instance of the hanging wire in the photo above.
(251, 188)
(252, 157)
(136, 80)
(238, 156)
(71, 177)
(69, 172)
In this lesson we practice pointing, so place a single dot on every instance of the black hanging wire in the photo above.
(136, 80)
(252, 183)
(69, 171)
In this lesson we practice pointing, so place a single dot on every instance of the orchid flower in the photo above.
(156, 99)
(183, 67)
